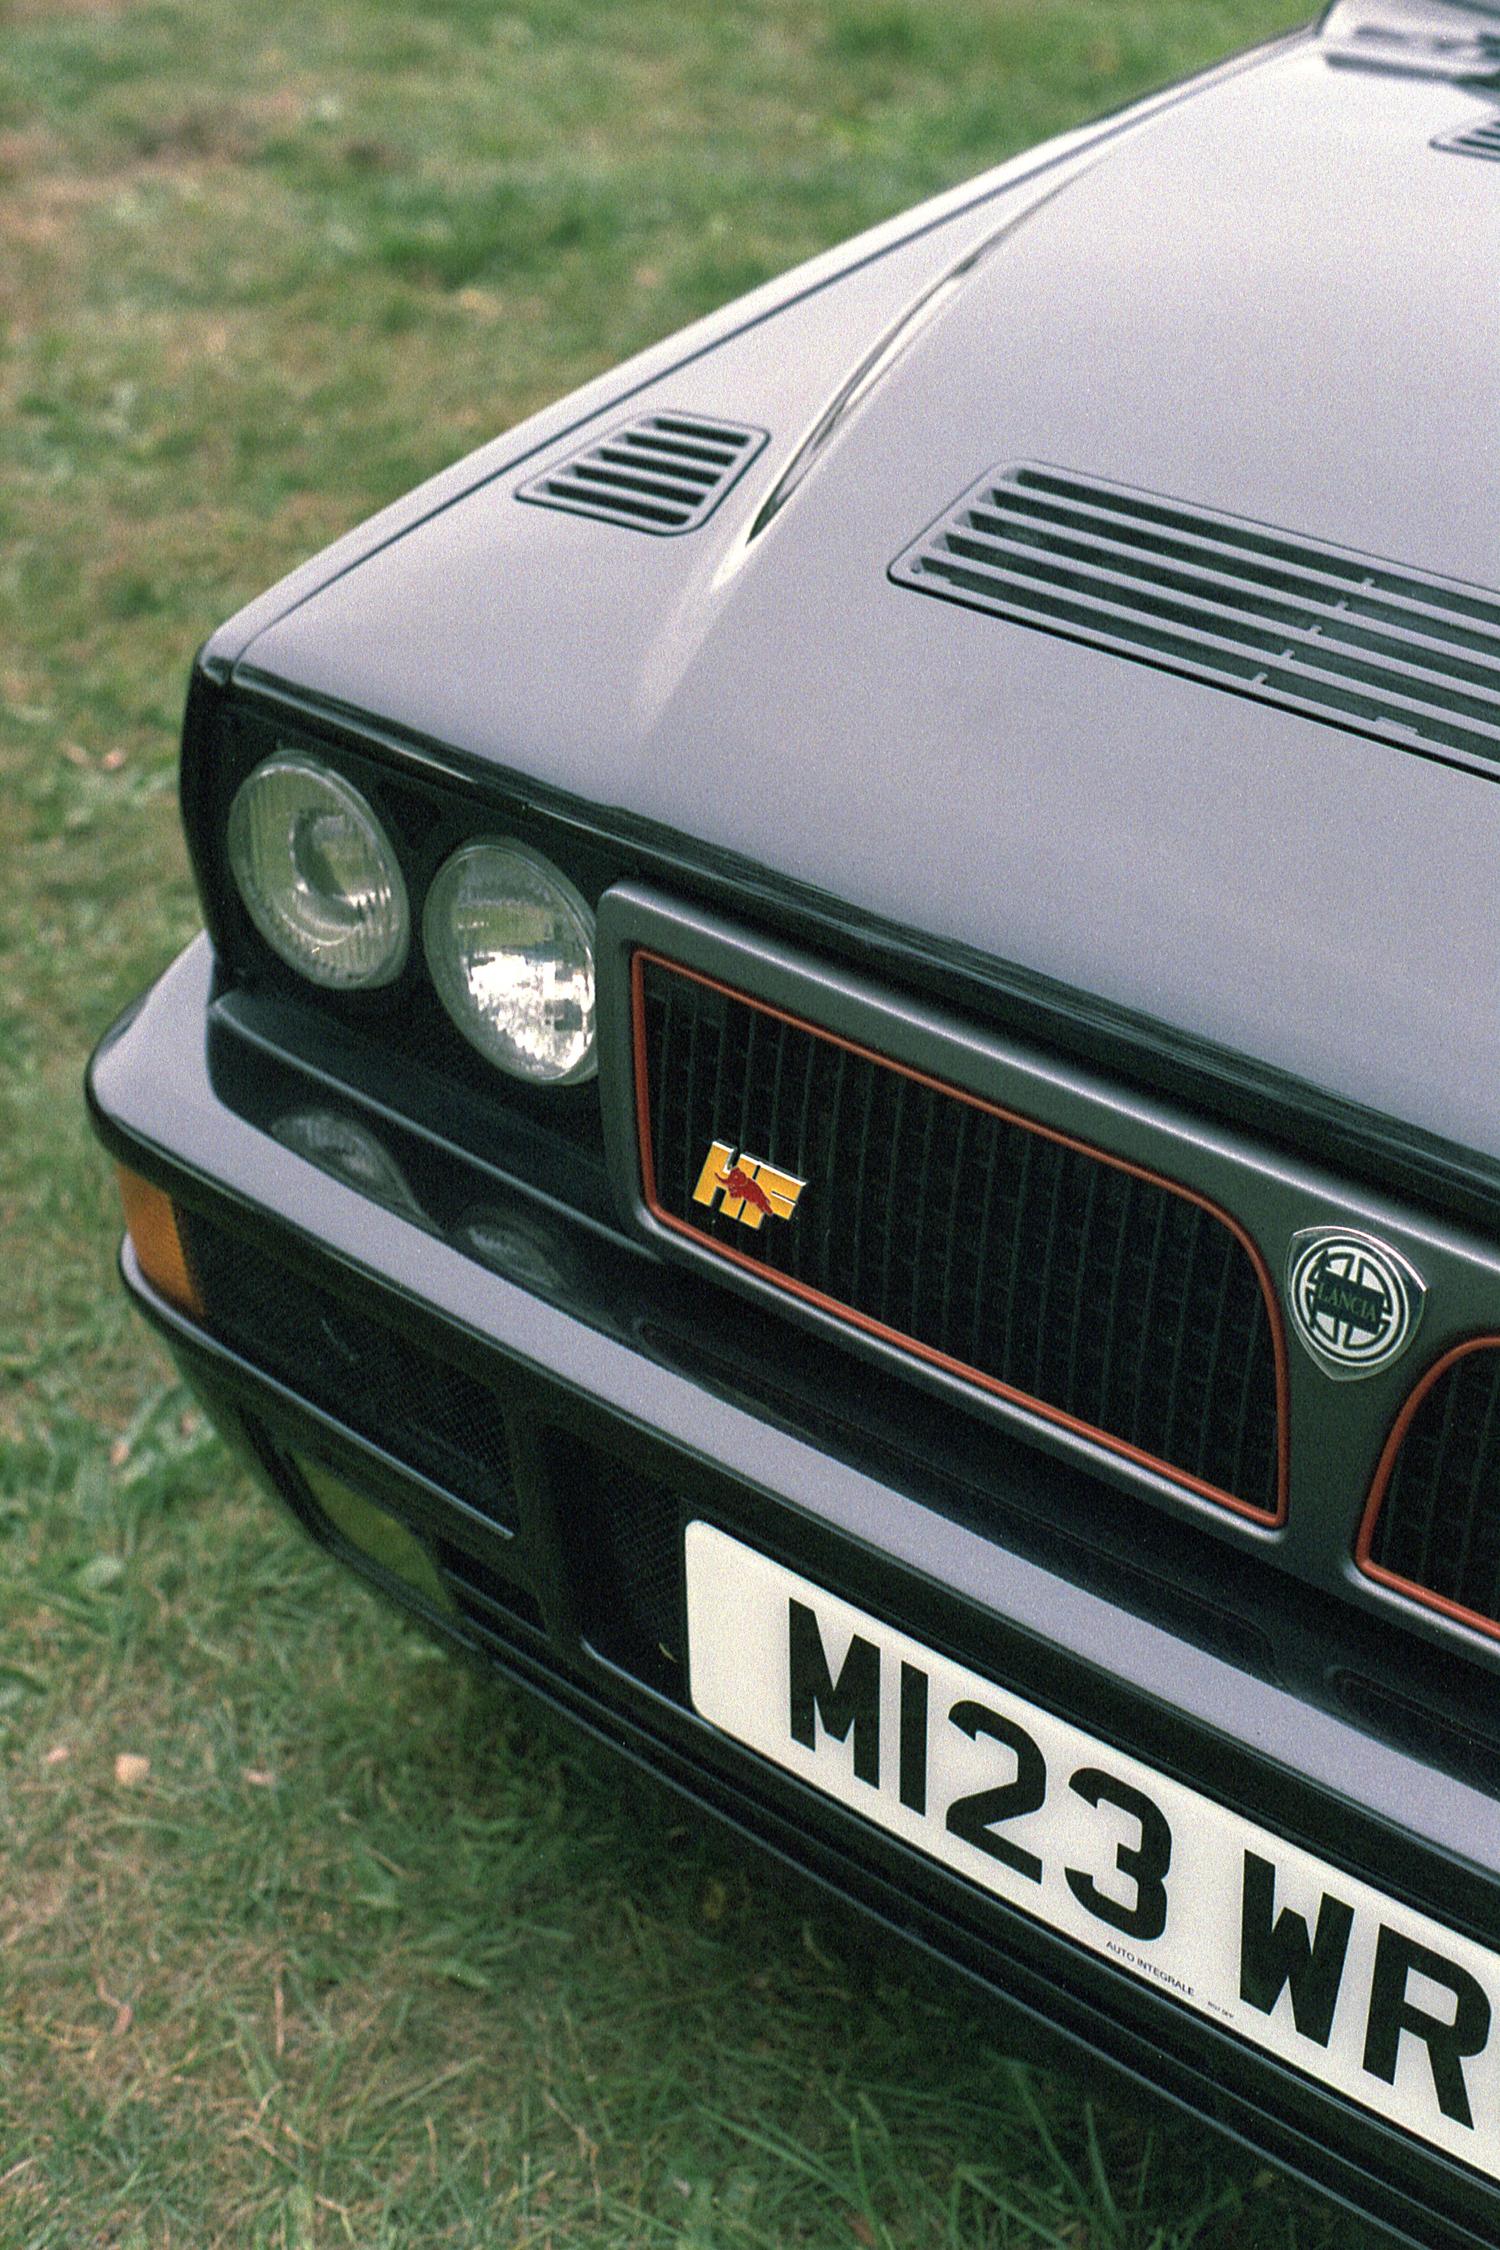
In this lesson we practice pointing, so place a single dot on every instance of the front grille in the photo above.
(665, 473)
(1479, 140)
(425, 1413)
(1435, 1526)
(1041, 1270)
(1347, 639)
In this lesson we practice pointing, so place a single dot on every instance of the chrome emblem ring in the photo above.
(1355, 1302)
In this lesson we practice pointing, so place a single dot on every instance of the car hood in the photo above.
(1274, 300)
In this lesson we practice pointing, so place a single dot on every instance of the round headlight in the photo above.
(318, 874)
(511, 948)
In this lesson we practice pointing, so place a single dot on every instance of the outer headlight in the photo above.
(511, 948)
(318, 874)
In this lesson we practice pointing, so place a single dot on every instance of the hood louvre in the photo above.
(1340, 636)
(1416, 38)
(1479, 140)
(663, 473)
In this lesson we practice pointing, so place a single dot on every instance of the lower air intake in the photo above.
(425, 1413)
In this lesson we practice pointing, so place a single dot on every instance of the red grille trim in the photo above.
(787, 1283)
(1386, 1469)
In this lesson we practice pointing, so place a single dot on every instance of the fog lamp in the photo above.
(338, 1145)
(377, 1535)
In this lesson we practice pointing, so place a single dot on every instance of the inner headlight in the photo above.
(318, 874)
(511, 948)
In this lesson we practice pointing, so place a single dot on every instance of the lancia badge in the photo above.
(1355, 1302)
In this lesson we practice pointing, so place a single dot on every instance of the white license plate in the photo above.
(1218, 1914)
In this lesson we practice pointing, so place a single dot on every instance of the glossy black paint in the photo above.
(893, 1521)
(1117, 900)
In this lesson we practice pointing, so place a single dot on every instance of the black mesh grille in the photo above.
(1439, 1525)
(424, 1412)
(664, 473)
(626, 1531)
(1102, 1296)
(1339, 635)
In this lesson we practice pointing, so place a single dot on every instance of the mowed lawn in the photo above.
(308, 1934)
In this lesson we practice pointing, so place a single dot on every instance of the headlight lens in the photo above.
(318, 874)
(511, 948)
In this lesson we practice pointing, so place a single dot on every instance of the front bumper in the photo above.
(629, 1404)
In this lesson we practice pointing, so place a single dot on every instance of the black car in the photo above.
(840, 1098)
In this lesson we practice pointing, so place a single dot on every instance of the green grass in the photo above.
(370, 1951)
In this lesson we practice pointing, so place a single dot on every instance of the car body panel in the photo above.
(1143, 837)
(1097, 1654)
(1240, 954)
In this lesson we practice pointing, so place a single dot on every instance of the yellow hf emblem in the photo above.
(751, 1188)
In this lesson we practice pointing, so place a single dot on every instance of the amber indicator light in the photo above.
(151, 1224)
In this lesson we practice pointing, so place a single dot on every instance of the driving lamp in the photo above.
(510, 945)
(318, 874)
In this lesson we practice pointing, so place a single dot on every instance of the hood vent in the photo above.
(1417, 38)
(1479, 140)
(1346, 639)
(664, 473)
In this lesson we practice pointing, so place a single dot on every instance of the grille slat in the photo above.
(1220, 1322)
(1247, 652)
(892, 1189)
(777, 1075)
(1041, 1270)
(1481, 1474)
(1337, 635)
(1418, 642)
(1118, 1268)
(664, 473)
(950, 1236)
(713, 458)
(1242, 553)
(1076, 1330)
(618, 506)
(1146, 1324)
(1050, 1276)
(1451, 1429)
(828, 1214)
(637, 477)
(1175, 1379)
(1436, 1524)
(991, 1167)
(686, 478)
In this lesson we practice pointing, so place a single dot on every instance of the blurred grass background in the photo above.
(307, 1935)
